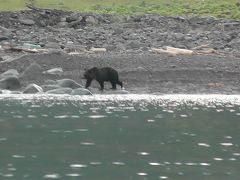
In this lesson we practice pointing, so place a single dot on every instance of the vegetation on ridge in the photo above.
(216, 8)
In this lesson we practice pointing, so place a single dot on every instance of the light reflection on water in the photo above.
(120, 137)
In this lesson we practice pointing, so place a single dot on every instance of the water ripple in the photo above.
(78, 165)
(143, 153)
(204, 144)
(52, 176)
(73, 175)
(142, 174)
(97, 116)
(226, 144)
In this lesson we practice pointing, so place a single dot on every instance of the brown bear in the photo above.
(101, 75)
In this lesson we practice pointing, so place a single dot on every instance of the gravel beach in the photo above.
(69, 42)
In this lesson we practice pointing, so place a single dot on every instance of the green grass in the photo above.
(217, 8)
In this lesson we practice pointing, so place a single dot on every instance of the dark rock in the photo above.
(73, 17)
(60, 91)
(74, 24)
(10, 83)
(32, 89)
(68, 83)
(3, 38)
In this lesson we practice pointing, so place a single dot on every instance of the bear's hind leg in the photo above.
(114, 85)
(120, 83)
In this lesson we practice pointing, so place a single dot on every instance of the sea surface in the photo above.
(120, 137)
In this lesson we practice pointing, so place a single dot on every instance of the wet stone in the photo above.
(60, 91)
(32, 89)
(28, 22)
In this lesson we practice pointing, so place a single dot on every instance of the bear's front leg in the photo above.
(101, 85)
(88, 83)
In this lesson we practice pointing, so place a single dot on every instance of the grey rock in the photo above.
(110, 47)
(28, 22)
(81, 91)
(72, 17)
(50, 82)
(74, 24)
(133, 45)
(179, 36)
(68, 83)
(10, 83)
(10, 72)
(118, 31)
(32, 89)
(91, 20)
(49, 87)
(9, 92)
(60, 91)
(235, 43)
(57, 71)
(33, 70)
(62, 24)
(52, 45)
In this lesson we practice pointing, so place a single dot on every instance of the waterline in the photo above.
(200, 99)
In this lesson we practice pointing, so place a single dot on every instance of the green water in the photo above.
(119, 139)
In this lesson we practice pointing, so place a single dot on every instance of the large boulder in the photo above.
(50, 82)
(9, 92)
(69, 83)
(31, 71)
(32, 89)
(60, 91)
(10, 83)
(57, 71)
(10, 72)
(48, 87)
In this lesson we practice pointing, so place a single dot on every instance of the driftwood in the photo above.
(96, 50)
(172, 51)
(203, 50)
(18, 49)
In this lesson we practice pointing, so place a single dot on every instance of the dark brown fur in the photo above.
(101, 75)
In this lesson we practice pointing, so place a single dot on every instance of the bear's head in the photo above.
(90, 74)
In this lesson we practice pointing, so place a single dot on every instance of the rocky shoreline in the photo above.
(44, 46)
